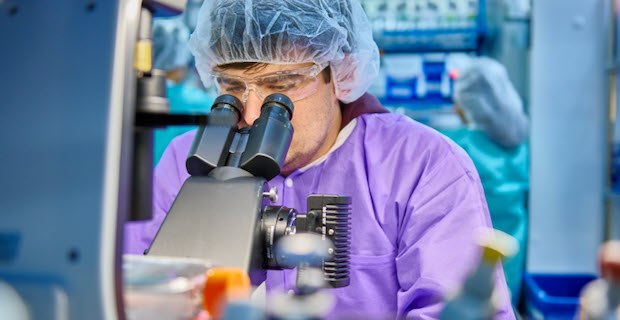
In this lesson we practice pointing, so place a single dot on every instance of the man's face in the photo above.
(316, 117)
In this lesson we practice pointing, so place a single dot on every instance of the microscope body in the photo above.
(216, 215)
(216, 221)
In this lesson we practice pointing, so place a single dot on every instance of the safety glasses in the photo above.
(297, 84)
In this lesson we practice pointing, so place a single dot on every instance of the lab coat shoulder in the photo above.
(409, 153)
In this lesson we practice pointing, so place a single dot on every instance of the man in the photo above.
(486, 102)
(417, 199)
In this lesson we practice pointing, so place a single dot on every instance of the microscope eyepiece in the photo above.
(212, 143)
(282, 101)
(227, 101)
(270, 138)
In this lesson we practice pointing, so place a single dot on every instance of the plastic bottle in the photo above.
(475, 299)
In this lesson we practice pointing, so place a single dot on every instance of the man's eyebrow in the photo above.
(228, 79)
(278, 77)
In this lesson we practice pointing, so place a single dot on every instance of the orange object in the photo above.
(223, 285)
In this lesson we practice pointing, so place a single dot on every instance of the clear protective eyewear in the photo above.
(297, 84)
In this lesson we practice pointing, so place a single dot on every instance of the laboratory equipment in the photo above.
(306, 252)
(426, 25)
(72, 97)
(163, 287)
(419, 41)
(421, 85)
(475, 299)
(225, 200)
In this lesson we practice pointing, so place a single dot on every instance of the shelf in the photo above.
(429, 103)
(436, 116)
(443, 40)
(430, 32)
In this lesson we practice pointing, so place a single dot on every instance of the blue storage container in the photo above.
(554, 296)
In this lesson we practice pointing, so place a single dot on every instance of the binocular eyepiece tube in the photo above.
(265, 146)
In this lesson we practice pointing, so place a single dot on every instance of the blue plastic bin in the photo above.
(553, 296)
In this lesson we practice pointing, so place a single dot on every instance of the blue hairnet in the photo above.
(327, 32)
(170, 50)
(490, 101)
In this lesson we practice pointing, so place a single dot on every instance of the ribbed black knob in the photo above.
(334, 212)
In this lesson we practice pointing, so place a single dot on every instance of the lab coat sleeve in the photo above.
(436, 248)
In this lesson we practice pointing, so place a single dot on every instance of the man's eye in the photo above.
(281, 87)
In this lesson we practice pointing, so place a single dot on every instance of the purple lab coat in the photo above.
(417, 200)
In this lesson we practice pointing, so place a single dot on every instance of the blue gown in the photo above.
(505, 178)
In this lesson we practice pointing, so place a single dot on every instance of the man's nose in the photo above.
(251, 110)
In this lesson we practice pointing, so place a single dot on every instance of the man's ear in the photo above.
(327, 74)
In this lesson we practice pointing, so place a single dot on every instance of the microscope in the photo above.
(222, 212)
